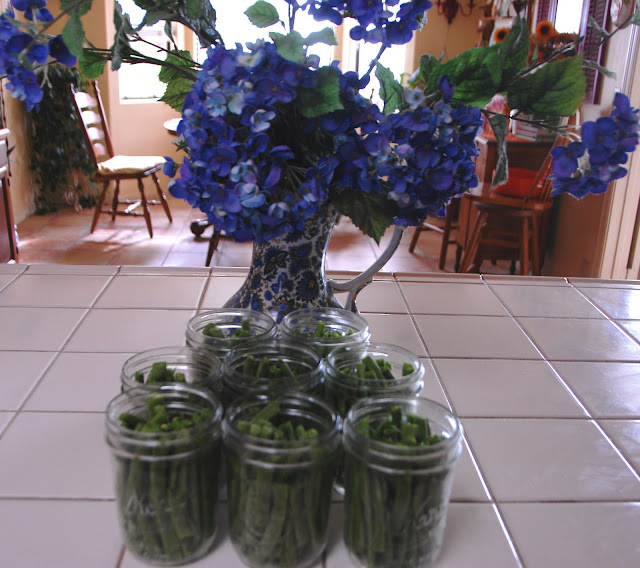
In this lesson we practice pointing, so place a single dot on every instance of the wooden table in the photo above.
(544, 374)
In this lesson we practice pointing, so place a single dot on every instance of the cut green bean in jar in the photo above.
(400, 455)
(166, 447)
(325, 328)
(281, 454)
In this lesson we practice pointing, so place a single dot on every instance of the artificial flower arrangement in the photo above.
(271, 138)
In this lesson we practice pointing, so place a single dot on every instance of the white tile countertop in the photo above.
(543, 372)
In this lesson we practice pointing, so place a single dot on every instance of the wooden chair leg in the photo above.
(456, 265)
(163, 199)
(414, 238)
(114, 201)
(469, 255)
(99, 206)
(535, 246)
(524, 247)
(445, 245)
(452, 212)
(213, 245)
(145, 207)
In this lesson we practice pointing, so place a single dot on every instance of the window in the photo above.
(569, 16)
(234, 27)
(564, 13)
(141, 81)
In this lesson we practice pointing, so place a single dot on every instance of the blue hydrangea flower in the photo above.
(22, 52)
(590, 165)
(60, 52)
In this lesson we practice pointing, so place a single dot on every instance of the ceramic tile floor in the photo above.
(63, 238)
(548, 393)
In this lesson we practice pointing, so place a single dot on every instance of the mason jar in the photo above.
(370, 369)
(396, 496)
(166, 477)
(271, 367)
(325, 328)
(279, 490)
(173, 364)
(221, 329)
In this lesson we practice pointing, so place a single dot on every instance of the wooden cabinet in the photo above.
(8, 240)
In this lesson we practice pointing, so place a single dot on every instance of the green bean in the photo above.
(212, 330)
(392, 518)
(167, 502)
(273, 518)
(160, 373)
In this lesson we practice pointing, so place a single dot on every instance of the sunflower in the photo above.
(545, 30)
(500, 34)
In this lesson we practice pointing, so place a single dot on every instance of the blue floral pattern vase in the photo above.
(288, 272)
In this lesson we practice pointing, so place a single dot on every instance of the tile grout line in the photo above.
(39, 380)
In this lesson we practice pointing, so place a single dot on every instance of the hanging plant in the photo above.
(60, 158)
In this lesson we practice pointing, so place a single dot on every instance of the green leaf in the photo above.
(73, 7)
(476, 74)
(203, 24)
(73, 35)
(182, 59)
(193, 8)
(428, 63)
(91, 64)
(372, 213)
(588, 64)
(120, 48)
(290, 46)
(262, 14)
(499, 124)
(177, 90)
(154, 16)
(323, 36)
(391, 91)
(556, 88)
(514, 50)
(324, 98)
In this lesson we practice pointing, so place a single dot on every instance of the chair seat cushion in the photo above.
(129, 164)
(518, 184)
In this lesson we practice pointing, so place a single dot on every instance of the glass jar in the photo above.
(325, 328)
(279, 491)
(270, 368)
(356, 371)
(221, 329)
(173, 364)
(166, 480)
(396, 496)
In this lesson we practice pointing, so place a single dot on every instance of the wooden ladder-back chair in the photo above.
(512, 228)
(111, 167)
(445, 226)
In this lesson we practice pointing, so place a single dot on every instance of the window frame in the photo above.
(599, 11)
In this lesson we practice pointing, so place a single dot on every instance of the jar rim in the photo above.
(368, 405)
(171, 354)
(270, 347)
(206, 316)
(352, 319)
(294, 399)
(360, 350)
(139, 397)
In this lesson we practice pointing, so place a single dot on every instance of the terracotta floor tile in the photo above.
(63, 237)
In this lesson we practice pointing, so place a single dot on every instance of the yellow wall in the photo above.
(439, 38)
(136, 128)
